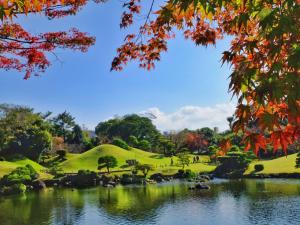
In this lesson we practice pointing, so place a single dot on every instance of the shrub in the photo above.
(232, 164)
(61, 153)
(2, 159)
(56, 171)
(144, 145)
(259, 167)
(85, 172)
(20, 175)
(190, 174)
(234, 148)
(84, 178)
(181, 171)
(185, 174)
(298, 154)
(120, 143)
(14, 189)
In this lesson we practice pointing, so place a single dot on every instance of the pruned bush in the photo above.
(259, 167)
(20, 175)
(86, 172)
(190, 174)
(185, 174)
(120, 143)
(232, 165)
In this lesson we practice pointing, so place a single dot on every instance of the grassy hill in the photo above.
(89, 160)
(7, 166)
(279, 165)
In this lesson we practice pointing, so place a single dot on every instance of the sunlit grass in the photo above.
(8, 166)
(89, 160)
(279, 165)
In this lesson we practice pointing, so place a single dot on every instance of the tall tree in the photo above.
(196, 141)
(77, 135)
(62, 125)
(129, 125)
(23, 132)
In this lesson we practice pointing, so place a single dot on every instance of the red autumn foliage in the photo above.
(264, 56)
(20, 50)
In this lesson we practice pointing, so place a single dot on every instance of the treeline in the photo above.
(37, 135)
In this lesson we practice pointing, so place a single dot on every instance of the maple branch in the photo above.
(146, 21)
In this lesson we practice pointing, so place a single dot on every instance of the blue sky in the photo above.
(188, 88)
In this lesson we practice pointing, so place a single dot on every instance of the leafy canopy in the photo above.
(264, 56)
(107, 162)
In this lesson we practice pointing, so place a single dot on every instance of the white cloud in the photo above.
(192, 117)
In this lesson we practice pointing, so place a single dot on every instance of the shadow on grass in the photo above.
(157, 156)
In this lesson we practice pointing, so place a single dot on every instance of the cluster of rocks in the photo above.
(200, 182)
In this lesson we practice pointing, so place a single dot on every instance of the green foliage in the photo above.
(2, 159)
(183, 159)
(130, 125)
(120, 143)
(107, 162)
(235, 148)
(23, 132)
(20, 175)
(56, 171)
(144, 145)
(259, 167)
(85, 172)
(167, 145)
(62, 126)
(77, 135)
(190, 174)
(144, 168)
(234, 164)
(13, 189)
(133, 141)
(185, 174)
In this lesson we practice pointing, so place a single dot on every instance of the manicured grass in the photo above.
(7, 166)
(89, 160)
(279, 165)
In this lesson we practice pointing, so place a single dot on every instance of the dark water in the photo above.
(270, 202)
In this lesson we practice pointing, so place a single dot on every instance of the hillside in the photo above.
(89, 160)
(8, 166)
(279, 165)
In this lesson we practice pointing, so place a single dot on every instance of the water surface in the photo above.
(270, 202)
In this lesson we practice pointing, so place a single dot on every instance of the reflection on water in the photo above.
(275, 202)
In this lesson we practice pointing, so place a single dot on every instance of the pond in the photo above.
(274, 202)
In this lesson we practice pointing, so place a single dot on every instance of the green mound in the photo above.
(279, 165)
(89, 160)
(7, 166)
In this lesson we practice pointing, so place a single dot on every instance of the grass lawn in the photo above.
(7, 166)
(279, 165)
(89, 160)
